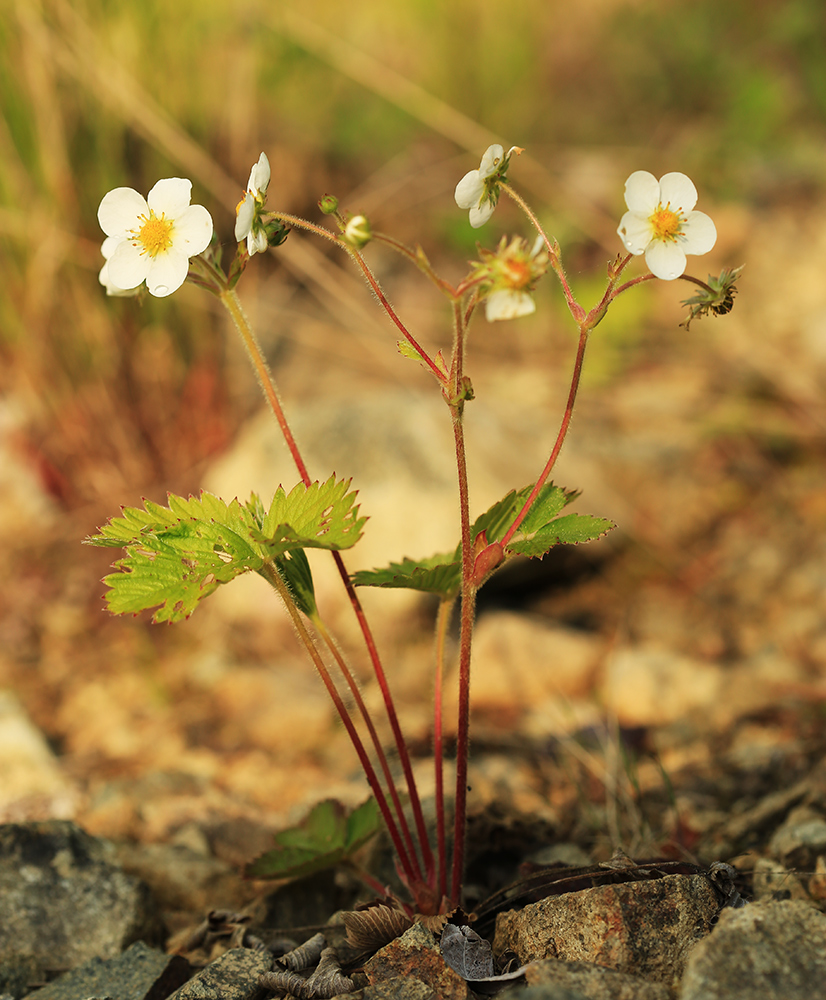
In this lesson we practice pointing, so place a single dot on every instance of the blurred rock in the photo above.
(33, 785)
(770, 950)
(64, 899)
(642, 928)
(800, 839)
(140, 973)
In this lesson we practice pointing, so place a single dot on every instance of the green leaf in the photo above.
(178, 555)
(440, 574)
(569, 530)
(327, 836)
(296, 573)
(319, 516)
(539, 532)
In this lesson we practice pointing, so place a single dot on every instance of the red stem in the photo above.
(560, 438)
(442, 622)
(468, 604)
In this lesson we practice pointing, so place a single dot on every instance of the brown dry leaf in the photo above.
(376, 926)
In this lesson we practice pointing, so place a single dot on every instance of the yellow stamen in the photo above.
(667, 224)
(155, 234)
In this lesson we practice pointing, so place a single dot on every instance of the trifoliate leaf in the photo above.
(539, 532)
(178, 555)
(327, 836)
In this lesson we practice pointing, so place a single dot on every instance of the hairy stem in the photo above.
(442, 623)
(560, 438)
(271, 574)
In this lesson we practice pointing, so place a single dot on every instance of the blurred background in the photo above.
(706, 447)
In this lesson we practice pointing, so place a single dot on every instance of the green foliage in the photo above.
(178, 555)
(540, 531)
(327, 836)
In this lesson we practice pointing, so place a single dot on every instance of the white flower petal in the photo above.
(635, 232)
(167, 272)
(665, 260)
(491, 160)
(119, 211)
(469, 190)
(192, 231)
(128, 266)
(243, 220)
(508, 304)
(260, 176)
(678, 191)
(479, 214)
(170, 197)
(257, 242)
(109, 245)
(700, 234)
(642, 192)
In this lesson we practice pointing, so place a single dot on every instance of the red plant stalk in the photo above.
(467, 608)
(233, 305)
(442, 622)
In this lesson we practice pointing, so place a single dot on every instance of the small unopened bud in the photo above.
(328, 204)
(357, 233)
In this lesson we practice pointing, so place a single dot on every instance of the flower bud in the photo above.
(357, 233)
(328, 204)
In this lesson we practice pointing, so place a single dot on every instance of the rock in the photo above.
(16, 973)
(64, 899)
(800, 839)
(140, 973)
(771, 950)
(33, 785)
(415, 956)
(593, 982)
(401, 988)
(642, 928)
(233, 976)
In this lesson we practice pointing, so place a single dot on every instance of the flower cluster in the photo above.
(660, 222)
(509, 274)
(151, 239)
(478, 190)
(248, 224)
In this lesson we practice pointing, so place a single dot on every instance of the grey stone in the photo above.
(416, 956)
(140, 973)
(64, 899)
(594, 981)
(800, 839)
(644, 928)
(233, 976)
(771, 950)
(16, 973)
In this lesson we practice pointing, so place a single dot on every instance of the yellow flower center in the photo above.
(667, 224)
(155, 234)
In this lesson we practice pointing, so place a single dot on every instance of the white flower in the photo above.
(478, 190)
(107, 249)
(508, 304)
(357, 233)
(247, 223)
(660, 222)
(151, 239)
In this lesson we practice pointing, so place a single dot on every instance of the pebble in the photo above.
(774, 950)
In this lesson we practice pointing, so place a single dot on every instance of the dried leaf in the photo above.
(466, 953)
(376, 926)
(328, 980)
(304, 956)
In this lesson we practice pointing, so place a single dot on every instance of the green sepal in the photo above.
(327, 836)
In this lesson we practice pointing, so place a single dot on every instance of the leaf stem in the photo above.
(442, 623)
